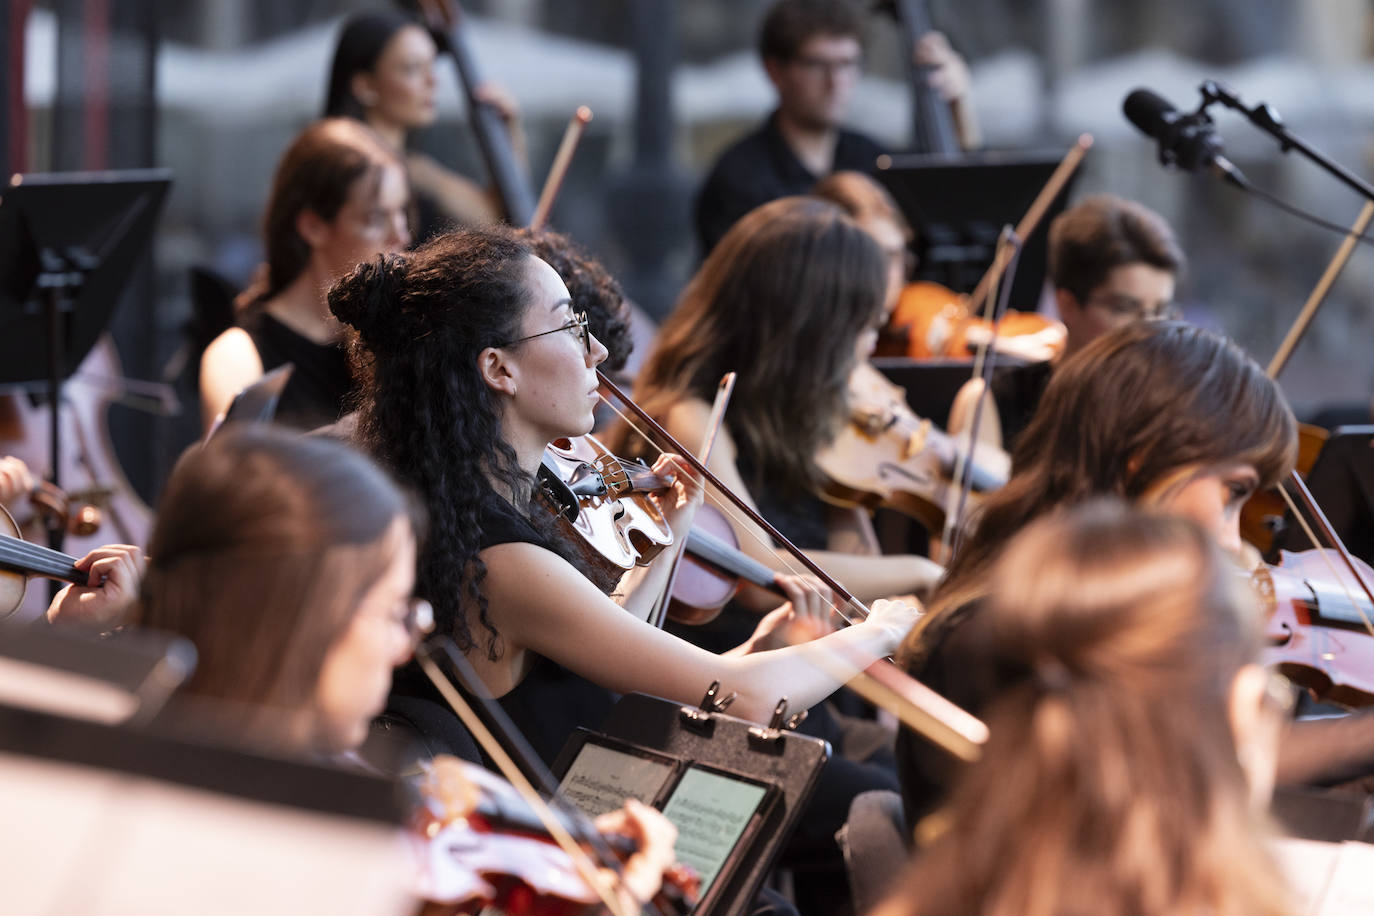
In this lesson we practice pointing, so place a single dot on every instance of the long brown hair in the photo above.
(781, 300)
(1135, 404)
(1110, 782)
(265, 543)
(315, 174)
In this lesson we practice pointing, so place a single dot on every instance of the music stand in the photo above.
(959, 204)
(68, 243)
(1342, 483)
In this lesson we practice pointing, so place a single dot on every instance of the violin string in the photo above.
(790, 566)
(1326, 558)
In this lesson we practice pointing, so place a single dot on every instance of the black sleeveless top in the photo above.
(550, 701)
(320, 382)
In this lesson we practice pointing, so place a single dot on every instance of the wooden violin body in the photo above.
(1318, 627)
(888, 456)
(1263, 512)
(937, 324)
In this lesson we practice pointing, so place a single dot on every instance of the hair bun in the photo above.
(369, 299)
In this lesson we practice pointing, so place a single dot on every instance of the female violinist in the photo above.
(791, 299)
(383, 75)
(338, 197)
(473, 360)
(1132, 744)
(1168, 417)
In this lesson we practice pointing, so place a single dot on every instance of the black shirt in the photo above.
(762, 167)
(320, 382)
(1018, 391)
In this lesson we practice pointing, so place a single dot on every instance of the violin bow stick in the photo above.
(921, 708)
(1314, 301)
(515, 773)
(708, 442)
(562, 160)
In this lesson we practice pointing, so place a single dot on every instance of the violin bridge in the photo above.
(916, 442)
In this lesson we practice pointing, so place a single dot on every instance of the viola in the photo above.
(20, 560)
(1318, 625)
(888, 456)
(483, 845)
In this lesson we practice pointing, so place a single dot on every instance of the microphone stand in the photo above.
(1267, 119)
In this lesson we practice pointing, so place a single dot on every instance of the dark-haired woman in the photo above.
(339, 197)
(790, 299)
(1167, 417)
(1132, 748)
(383, 76)
(474, 360)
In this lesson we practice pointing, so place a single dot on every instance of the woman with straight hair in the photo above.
(790, 299)
(338, 197)
(383, 75)
(1132, 744)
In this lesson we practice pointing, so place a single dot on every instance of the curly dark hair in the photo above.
(419, 322)
(592, 288)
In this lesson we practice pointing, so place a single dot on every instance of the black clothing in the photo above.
(762, 167)
(1018, 391)
(319, 385)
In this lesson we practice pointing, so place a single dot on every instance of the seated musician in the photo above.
(1201, 429)
(1111, 261)
(383, 75)
(338, 198)
(812, 53)
(1132, 745)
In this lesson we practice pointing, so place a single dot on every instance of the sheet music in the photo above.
(601, 778)
(710, 812)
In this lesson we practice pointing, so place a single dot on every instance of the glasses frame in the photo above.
(579, 322)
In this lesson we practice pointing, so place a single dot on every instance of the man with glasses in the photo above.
(812, 54)
(1111, 261)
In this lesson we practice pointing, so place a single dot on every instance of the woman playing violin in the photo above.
(1132, 744)
(790, 299)
(473, 359)
(1171, 418)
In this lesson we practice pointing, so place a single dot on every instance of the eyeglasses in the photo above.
(579, 324)
(820, 66)
(1131, 307)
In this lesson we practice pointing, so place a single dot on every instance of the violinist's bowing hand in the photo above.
(896, 618)
(806, 615)
(656, 838)
(15, 479)
(114, 573)
(949, 73)
(679, 502)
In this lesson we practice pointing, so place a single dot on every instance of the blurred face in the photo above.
(399, 91)
(890, 239)
(814, 87)
(373, 220)
(356, 675)
(554, 373)
(1131, 292)
(1211, 496)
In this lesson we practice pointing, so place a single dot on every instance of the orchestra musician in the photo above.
(1111, 261)
(383, 75)
(812, 53)
(1170, 418)
(338, 197)
(472, 359)
(1132, 742)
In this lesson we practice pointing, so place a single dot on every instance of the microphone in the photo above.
(1186, 141)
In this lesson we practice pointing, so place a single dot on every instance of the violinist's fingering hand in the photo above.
(806, 616)
(115, 572)
(15, 479)
(679, 504)
(656, 837)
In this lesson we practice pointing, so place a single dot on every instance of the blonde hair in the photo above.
(1110, 783)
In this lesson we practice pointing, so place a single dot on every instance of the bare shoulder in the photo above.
(688, 422)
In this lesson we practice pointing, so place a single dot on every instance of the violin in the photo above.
(888, 456)
(20, 560)
(1318, 625)
(482, 845)
(937, 324)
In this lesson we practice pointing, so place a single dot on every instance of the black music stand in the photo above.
(68, 243)
(958, 206)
